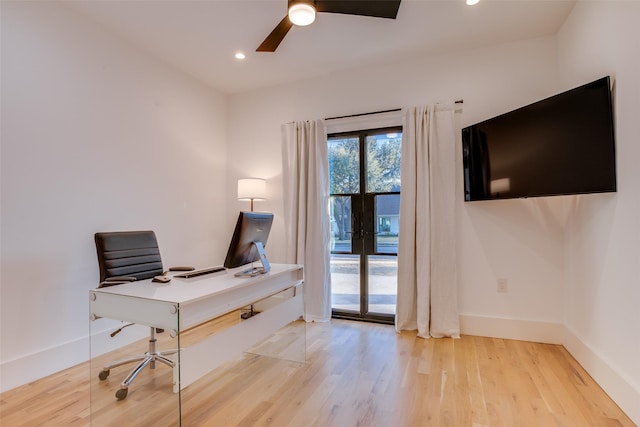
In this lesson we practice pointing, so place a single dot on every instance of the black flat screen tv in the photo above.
(561, 145)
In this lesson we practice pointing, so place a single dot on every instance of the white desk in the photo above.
(183, 303)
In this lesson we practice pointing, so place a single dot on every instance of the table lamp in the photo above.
(252, 189)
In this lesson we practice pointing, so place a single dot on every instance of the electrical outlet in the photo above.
(503, 286)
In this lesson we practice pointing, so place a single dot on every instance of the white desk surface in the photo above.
(183, 303)
(185, 291)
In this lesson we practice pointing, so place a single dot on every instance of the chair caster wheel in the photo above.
(103, 374)
(122, 393)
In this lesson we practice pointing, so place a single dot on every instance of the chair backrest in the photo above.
(128, 253)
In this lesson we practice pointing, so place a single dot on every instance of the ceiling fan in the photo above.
(303, 12)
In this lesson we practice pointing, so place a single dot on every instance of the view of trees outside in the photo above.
(383, 163)
(382, 175)
(344, 173)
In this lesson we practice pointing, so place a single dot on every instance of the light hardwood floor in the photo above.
(356, 374)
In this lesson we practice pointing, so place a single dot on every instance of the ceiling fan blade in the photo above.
(375, 8)
(273, 40)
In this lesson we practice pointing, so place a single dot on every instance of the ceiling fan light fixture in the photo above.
(301, 13)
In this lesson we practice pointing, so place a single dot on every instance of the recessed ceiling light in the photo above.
(240, 55)
(472, 2)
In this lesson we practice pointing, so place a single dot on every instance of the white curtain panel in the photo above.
(427, 283)
(306, 198)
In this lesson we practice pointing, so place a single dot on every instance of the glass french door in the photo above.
(364, 176)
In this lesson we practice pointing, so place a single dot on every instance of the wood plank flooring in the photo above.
(355, 374)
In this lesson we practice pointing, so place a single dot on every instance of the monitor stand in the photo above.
(256, 271)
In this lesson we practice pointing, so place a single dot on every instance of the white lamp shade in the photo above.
(252, 189)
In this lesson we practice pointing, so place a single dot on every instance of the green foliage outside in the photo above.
(382, 173)
(383, 164)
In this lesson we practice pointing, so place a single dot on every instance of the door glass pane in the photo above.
(344, 165)
(340, 218)
(345, 282)
(383, 162)
(387, 211)
(383, 284)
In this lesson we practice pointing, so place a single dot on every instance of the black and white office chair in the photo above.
(126, 256)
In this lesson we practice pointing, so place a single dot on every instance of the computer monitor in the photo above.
(248, 242)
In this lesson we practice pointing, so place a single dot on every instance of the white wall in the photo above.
(571, 262)
(602, 251)
(520, 240)
(95, 137)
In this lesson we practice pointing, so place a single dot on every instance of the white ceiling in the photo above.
(200, 37)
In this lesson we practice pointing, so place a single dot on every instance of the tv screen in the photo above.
(249, 238)
(561, 145)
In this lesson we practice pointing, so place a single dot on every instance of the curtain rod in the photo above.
(364, 114)
(459, 101)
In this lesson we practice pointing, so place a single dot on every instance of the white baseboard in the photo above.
(514, 329)
(31, 367)
(619, 387)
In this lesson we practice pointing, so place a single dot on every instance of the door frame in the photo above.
(363, 229)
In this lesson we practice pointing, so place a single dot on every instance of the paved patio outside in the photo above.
(345, 283)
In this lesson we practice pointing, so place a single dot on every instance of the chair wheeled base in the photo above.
(147, 359)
